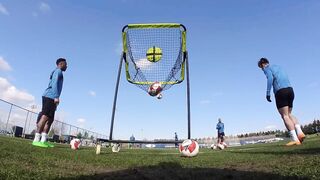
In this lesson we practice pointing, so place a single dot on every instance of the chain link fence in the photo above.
(21, 122)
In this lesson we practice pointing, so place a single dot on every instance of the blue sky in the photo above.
(225, 39)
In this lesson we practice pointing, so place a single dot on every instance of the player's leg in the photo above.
(222, 137)
(47, 126)
(222, 140)
(50, 112)
(297, 126)
(37, 134)
(218, 139)
(301, 135)
(284, 98)
(46, 112)
(284, 112)
(46, 130)
(40, 126)
(41, 121)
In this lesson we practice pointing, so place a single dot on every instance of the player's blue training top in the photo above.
(55, 85)
(220, 127)
(276, 77)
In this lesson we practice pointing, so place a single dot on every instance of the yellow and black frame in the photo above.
(180, 70)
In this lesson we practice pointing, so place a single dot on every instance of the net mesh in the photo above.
(167, 70)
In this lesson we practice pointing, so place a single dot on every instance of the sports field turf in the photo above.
(20, 160)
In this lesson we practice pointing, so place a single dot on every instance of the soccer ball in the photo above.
(75, 144)
(155, 89)
(159, 96)
(220, 146)
(115, 147)
(189, 148)
(213, 146)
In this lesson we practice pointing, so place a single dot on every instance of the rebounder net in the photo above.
(154, 53)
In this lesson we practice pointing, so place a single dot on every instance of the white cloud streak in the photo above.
(81, 122)
(3, 10)
(34, 14)
(270, 127)
(313, 85)
(118, 49)
(205, 102)
(92, 93)
(4, 65)
(143, 64)
(44, 7)
(10, 93)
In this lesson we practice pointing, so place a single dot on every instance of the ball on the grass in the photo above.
(220, 146)
(189, 148)
(213, 146)
(75, 144)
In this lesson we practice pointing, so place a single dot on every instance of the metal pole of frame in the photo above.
(61, 128)
(116, 95)
(8, 117)
(25, 125)
(188, 95)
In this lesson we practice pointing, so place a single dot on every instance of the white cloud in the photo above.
(3, 10)
(4, 65)
(271, 127)
(10, 93)
(44, 7)
(81, 122)
(143, 63)
(118, 49)
(217, 94)
(205, 102)
(92, 93)
(313, 85)
(34, 14)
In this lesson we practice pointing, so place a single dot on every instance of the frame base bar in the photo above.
(139, 141)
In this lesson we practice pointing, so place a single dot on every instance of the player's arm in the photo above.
(269, 76)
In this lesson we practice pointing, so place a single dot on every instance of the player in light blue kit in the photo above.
(50, 101)
(284, 95)
(220, 128)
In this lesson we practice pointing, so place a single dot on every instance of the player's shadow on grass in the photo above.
(173, 171)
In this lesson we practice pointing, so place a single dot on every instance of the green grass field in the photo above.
(20, 160)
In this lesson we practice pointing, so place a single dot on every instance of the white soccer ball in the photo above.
(213, 146)
(155, 89)
(75, 144)
(116, 147)
(189, 148)
(220, 146)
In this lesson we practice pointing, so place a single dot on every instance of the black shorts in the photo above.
(284, 97)
(48, 108)
(221, 135)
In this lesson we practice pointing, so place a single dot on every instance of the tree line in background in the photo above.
(310, 128)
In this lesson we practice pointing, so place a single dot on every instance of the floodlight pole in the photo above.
(188, 94)
(115, 96)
